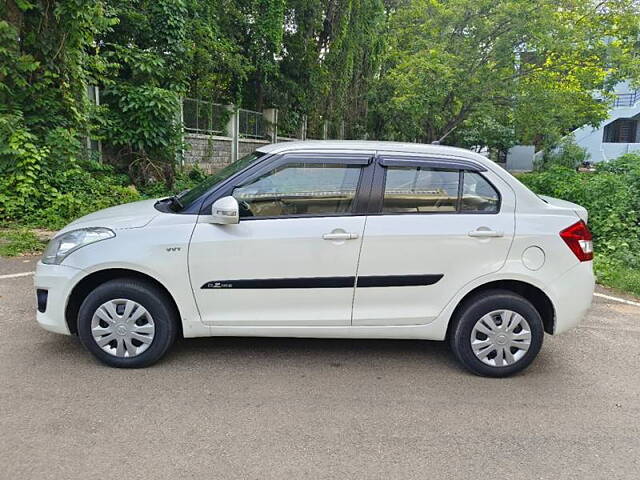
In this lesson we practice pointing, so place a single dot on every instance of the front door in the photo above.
(292, 258)
(437, 226)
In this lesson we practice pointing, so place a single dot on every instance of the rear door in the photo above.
(434, 225)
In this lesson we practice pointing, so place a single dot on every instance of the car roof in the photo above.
(369, 145)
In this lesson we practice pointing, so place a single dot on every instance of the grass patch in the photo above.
(619, 276)
(20, 241)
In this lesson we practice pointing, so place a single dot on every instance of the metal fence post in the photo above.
(303, 127)
(182, 133)
(233, 131)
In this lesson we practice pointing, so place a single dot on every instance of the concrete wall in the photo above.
(611, 151)
(211, 153)
(520, 158)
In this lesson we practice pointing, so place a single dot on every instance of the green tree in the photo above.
(330, 56)
(451, 65)
(48, 56)
(567, 153)
(256, 27)
(147, 51)
(216, 66)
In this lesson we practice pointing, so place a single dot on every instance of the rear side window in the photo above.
(478, 195)
(418, 189)
(414, 189)
(300, 189)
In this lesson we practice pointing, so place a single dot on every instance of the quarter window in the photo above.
(300, 189)
(418, 189)
(478, 195)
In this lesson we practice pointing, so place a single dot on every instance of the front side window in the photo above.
(300, 189)
(419, 189)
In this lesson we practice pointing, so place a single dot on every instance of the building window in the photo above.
(623, 130)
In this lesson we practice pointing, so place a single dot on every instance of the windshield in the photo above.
(190, 196)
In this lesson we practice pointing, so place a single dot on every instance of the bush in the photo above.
(184, 180)
(627, 166)
(48, 184)
(44, 184)
(612, 196)
(610, 199)
(566, 154)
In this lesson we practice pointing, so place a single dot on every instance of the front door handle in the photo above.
(484, 232)
(340, 236)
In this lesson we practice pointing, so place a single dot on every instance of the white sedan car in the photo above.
(327, 239)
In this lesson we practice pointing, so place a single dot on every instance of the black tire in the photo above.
(148, 296)
(475, 308)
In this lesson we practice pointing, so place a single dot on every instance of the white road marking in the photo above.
(616, 299)
(16, 275)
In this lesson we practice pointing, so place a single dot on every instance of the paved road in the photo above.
(297, 409)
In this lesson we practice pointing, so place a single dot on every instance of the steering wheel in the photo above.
(245, 209)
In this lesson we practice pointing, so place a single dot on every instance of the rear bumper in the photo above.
(55, 283)
(571, 295)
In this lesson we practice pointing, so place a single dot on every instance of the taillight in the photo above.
(578, 238)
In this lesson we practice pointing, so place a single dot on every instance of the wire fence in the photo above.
(201, 116)
(210, 118)
(251, 124)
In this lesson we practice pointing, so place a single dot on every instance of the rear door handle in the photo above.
(484, 232)
(340, 236)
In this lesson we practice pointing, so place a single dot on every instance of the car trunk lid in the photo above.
(579, 210)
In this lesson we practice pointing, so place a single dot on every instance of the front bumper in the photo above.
(57, 281)
(572, 294)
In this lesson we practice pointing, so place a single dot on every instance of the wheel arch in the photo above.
(94, 279)
(535, 295)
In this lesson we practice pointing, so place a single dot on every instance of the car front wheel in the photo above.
(127, 323)
(496, 333)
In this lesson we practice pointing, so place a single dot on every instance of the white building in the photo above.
(618, 134)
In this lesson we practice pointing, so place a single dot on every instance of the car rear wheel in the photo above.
(496, 333)
(127, 323)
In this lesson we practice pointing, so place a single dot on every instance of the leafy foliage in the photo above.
(480, 73)
(566, 154)
(184, 180)
(35, 190)
(146, 50)
(456, 66)
(612, 197)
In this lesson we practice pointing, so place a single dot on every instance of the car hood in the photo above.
(129, 215)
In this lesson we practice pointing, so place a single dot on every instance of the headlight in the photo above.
(61, 246)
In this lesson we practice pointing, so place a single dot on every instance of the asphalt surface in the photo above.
(315, 409)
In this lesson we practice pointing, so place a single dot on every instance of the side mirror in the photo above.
(225, 211)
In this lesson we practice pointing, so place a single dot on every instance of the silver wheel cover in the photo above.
(122, 328)
(501, 338)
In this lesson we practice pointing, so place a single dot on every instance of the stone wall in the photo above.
(211, 153)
